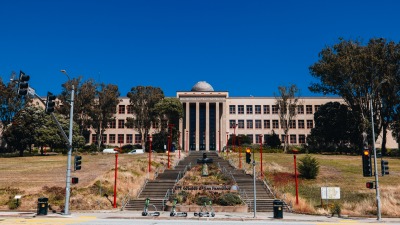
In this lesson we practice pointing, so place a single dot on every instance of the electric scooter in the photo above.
(206, 211)
(174, 212)
(146, 209)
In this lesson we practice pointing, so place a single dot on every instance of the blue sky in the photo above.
(244, 47)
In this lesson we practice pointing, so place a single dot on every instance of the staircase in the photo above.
(158, 189)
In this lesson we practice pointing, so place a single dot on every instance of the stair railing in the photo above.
(126, 200)
(268, 188)
(142, 188)
(166, 198)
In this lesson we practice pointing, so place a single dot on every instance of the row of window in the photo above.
(122, 124)
(121, 138)
(257, 124)
(267, 109)
(112, 138)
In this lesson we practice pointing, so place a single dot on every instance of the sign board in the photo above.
(330, 192)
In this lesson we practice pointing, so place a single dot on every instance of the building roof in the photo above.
(202, 86)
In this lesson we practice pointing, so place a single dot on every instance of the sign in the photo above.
(330, 192)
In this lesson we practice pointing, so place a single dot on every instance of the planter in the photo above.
(217, 208)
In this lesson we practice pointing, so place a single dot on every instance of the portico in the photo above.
(204, 123)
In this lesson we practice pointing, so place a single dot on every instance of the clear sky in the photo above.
(247, 47)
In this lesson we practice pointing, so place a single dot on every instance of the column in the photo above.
(223, 124)
(218, 133)
(197, 126)
(187, 143)
(207, 126)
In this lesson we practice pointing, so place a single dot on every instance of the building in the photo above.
(210, 117)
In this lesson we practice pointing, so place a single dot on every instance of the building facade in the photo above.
(211, 117)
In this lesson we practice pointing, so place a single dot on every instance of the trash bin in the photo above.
(278, 209)
(43, 205)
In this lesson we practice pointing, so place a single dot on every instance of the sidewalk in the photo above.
(104, 214)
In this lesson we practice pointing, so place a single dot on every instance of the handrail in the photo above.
(166, 197)
(142, 188)
(125, 200)
(269, 189)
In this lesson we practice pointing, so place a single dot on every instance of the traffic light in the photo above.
(369, 185)
(248, 155)
(384, 167)
(23, 83)
(50, 102)
(78, 162)
(75, 180)
(366, 163)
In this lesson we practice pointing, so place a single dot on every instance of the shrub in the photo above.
(14, 203)
(229, 199)
(308, 167)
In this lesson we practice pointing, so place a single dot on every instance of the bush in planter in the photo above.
(229, 199)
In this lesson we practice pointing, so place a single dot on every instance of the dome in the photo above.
(202, 86)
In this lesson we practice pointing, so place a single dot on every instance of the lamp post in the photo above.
(219, 142)
(261, 166)
(179, 144)
(187, 141)
(227, 143)
(170, 142)
(68, 179)
(378, 198)
(234, 137)
(149, 153)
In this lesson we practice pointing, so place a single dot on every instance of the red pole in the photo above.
(170, 142)
(169, 148)
(297, 184)
(234, 139)
(262, 174)
(240, 154)
(115, 180)
(149, 154)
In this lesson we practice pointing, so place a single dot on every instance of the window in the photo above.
(258, 138)
(301, 124)
(275, 109)
(316, 107)
(283, 124)
(112, 124)
(275, 124)
(232, 109)
(112, 138)
(240, 109)
(292, 124)
(120, 138)
(94, 138)
(293, 139)
(300, 109)
(104, 138)
(154, 124)
(130, 109)
(266, 109)
(138, 138)
(121, 124)
(308, 109)
(249, 109)
(250, 136)
(309, 124)
(129, 138)
(258, 124)
(267, 124)
(302, 139)
(283, 138)
(249, 124)
(121, 109)
(257, 109)
(241, 124)
(232, 123)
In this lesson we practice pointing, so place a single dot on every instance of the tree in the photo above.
(104, 109)
(334, 129)
(20, 135)
(84, 103)
(169, 110)
(287, 103)
(142, 101)
(355, 72)
(10, 103)
(273, 140)
(308, 167)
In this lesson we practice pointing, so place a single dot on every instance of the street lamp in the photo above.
(68, 179)
(234, 137)
(378, 198)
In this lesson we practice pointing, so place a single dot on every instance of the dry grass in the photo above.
(34, 177)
